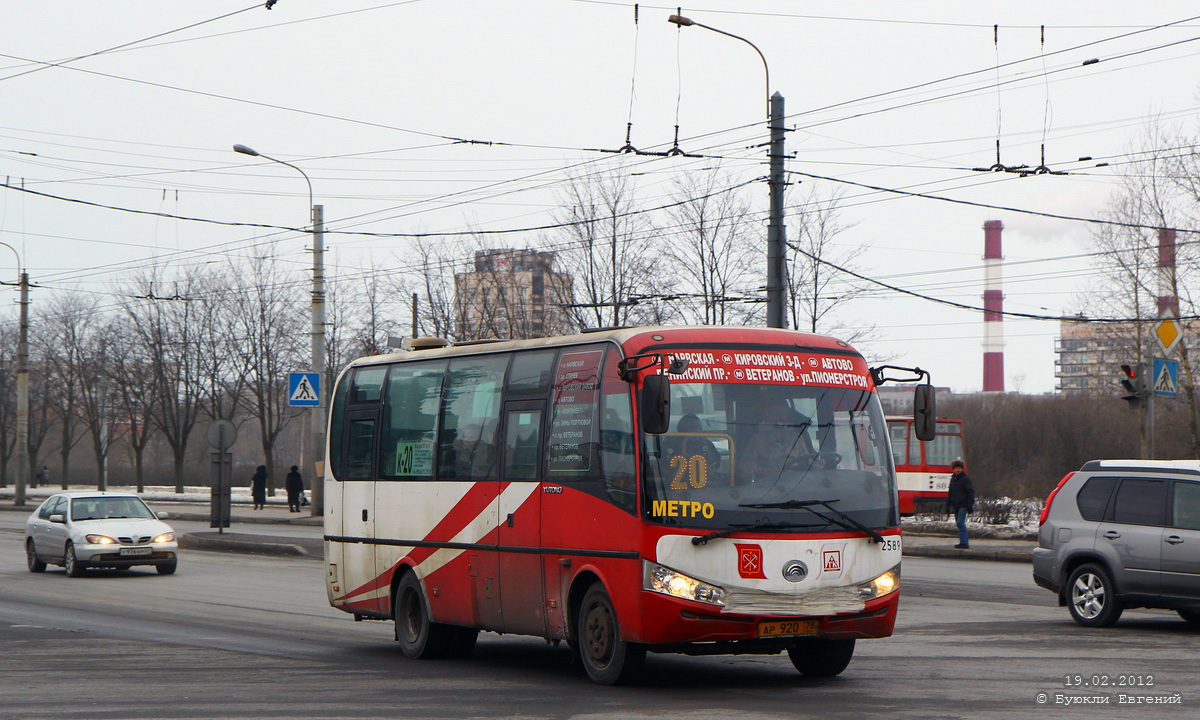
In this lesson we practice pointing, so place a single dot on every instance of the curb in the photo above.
(251, 544)
(975, 553)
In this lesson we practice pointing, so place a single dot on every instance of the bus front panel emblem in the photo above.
(795, 571)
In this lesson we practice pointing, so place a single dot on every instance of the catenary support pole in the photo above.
(318, 360)
(776, 232)
(23, 462)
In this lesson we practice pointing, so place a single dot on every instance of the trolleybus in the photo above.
(923, 467)
(687, 490)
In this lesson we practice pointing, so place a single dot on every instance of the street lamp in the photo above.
(776, 233)
(22, 384)
(316, 415)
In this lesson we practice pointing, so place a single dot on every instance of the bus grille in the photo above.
(823, 601)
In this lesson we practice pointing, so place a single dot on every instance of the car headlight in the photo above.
(99, 539)
(165, 537)
(882, 585)
(659, 579)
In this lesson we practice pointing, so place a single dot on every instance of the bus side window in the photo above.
(471, 417)
(410, 417)
(360, 448)
(616, 435)
(337, 427)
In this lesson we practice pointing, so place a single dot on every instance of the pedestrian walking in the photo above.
(258, 487)
(43, 476)
(295, 488)
(960, 501)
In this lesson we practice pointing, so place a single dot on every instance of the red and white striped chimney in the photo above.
(1167, 300)
(993, 307)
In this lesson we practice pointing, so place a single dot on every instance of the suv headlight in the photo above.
(165, 537)
(659, 579)
(882, 585)
(99, 539)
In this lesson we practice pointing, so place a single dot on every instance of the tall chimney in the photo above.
(993, 306)
(1167, 300)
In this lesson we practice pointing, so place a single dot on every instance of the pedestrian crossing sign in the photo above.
(304, 389)
(1166, 377)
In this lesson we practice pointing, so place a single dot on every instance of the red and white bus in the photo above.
(923, 468)
(689, 490)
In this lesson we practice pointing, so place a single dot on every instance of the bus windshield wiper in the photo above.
(840, 518)
(739, 527)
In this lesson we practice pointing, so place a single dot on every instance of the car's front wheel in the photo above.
(31, 558)
(167, 568)
(608, 658)
(72, 564)
(1092, 598)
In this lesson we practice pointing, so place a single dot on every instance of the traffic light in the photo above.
(1134, 385)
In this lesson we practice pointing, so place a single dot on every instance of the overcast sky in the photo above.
(370, 98)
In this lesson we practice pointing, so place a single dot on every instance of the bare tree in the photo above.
(717, 249)
(133, 387)
(60, 344)
(818, 289)
(8, 402)
(1154, 192)
(608, 254)
(170, 332)
(269, 329)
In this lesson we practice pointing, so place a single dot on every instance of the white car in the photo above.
(81, 529)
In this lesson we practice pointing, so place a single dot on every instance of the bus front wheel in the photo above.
(418, 636)
(608, 658)
(822, 657)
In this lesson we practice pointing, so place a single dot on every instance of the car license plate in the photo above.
(136, 551)
(786, 628)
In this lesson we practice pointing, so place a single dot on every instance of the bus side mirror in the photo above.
(924, 413)
(656, 404)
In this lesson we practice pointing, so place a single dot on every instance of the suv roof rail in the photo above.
(1190, 467)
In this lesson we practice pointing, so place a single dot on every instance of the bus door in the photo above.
(520, 537)
(358, 507)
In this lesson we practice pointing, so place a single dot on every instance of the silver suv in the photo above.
(1120, 534)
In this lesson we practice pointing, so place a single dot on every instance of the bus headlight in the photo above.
(882, 585)
(659, 579)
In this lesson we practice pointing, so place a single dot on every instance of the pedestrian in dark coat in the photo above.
(258, 487)
(295, 488)
(960, 501)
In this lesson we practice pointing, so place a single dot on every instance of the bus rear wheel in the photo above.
(608, 658)
(419, 637)
(821, 657)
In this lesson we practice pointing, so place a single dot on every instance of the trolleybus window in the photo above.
(531, 372)
(410, 418)
(471, 417)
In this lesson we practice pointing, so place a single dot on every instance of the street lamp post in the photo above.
(776, 232)
(22, 384)
(316, 415)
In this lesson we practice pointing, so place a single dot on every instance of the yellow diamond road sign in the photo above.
(1168, 333)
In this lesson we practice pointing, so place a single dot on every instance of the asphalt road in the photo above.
(238, 636)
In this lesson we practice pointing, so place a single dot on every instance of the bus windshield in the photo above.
(737, 452)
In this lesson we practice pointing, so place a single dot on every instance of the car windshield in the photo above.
(754, 437)
(103, 508)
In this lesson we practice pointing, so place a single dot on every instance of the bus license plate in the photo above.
(136, 551)
(785, 628)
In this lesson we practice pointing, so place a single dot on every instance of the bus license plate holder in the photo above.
(788, 628)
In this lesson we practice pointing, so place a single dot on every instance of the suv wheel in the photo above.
(1091, 597)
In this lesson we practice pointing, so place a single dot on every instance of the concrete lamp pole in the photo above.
(22, 384)
(316, 415)
(776, 233)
